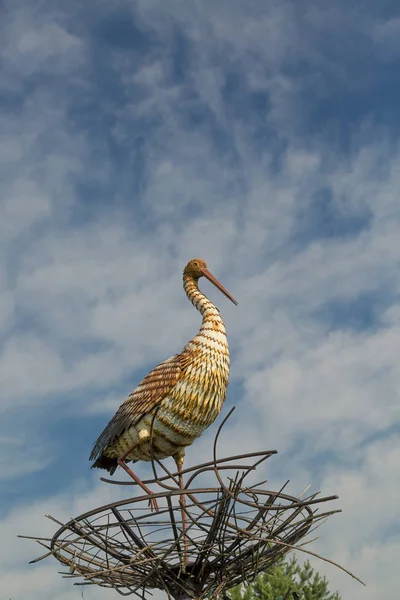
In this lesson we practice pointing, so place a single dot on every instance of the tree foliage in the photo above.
(286, 579)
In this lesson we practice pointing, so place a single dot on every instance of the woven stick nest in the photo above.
(235, 530)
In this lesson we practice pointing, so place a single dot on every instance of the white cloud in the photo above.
(43, 580)
(364, 536)
(386, 37)
(34, 40)
(24, 460)
(84, 304)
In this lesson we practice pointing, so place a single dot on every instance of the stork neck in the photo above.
(200, 300)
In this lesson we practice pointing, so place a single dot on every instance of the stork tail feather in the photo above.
(103, 462)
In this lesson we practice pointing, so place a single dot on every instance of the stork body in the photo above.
(178, 399)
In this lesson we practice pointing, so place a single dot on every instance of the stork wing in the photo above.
(152, 390)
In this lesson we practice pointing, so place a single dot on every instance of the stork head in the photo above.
(197, 268)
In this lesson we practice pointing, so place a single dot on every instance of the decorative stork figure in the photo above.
(177, 400)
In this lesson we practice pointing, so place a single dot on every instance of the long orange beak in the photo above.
(217, 284)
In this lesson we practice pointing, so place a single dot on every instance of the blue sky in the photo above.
(260, 136)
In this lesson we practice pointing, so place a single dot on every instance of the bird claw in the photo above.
(153, 505)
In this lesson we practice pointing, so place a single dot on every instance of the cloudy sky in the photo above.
(262, 136)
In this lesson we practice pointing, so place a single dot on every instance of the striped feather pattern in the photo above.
(177, 400)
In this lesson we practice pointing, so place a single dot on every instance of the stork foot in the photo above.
(182, 502)
(153, 504)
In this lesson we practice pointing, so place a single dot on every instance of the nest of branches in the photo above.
(235, 530)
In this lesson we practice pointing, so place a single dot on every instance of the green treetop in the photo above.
(300, 582)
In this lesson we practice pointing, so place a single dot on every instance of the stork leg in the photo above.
(121, 461)
(182, 499)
